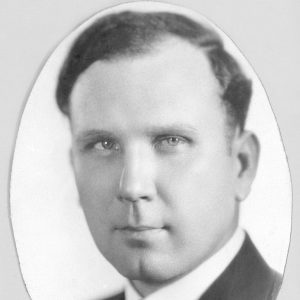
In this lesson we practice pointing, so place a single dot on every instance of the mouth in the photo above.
(140, 233)
(138, 228)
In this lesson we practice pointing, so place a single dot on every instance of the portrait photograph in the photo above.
(149, 162)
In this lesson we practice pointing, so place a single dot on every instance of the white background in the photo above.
(266, 35)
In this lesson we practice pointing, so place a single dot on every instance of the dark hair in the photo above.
(132, 33)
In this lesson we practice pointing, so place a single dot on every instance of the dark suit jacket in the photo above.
(247, 277)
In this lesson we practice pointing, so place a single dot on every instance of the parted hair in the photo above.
(129, 34)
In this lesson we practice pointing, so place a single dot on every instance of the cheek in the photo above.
(97, 185)
(198, 176)
(199, 192)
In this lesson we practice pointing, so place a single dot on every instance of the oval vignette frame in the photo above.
(49, 227)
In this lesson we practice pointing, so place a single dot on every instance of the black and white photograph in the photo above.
(149, 163)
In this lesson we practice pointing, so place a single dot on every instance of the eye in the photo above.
(170, 143)
(106, 146)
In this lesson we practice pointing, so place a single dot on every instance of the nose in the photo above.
(137, 180)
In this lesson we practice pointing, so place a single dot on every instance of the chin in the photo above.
(153, 271)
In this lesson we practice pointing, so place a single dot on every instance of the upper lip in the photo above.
(137, 228)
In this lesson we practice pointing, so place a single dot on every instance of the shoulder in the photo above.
(247, 277)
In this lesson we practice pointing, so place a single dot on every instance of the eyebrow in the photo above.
(149, 131)
(88, 134)
(170, 129)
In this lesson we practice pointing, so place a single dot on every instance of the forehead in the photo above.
(172, 83)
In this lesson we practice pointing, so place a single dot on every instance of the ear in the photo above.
(246, 155)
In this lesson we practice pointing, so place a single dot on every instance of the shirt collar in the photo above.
(195, 283)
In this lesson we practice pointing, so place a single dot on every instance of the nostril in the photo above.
(132, 198)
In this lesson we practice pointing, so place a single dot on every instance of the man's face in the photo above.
(152, 162)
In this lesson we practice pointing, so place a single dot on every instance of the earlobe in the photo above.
(247, 156)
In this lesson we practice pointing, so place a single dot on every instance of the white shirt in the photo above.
(193, 285)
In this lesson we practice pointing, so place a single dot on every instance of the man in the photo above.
(161, 158)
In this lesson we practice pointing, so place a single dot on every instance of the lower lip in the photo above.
(143, 234)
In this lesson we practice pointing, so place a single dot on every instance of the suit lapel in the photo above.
(120, 296)
(246, 278)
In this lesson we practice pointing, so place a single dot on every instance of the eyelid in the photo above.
(168, 136)
(160, 139)
(90, 145)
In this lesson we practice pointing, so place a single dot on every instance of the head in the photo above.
(160, 155)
